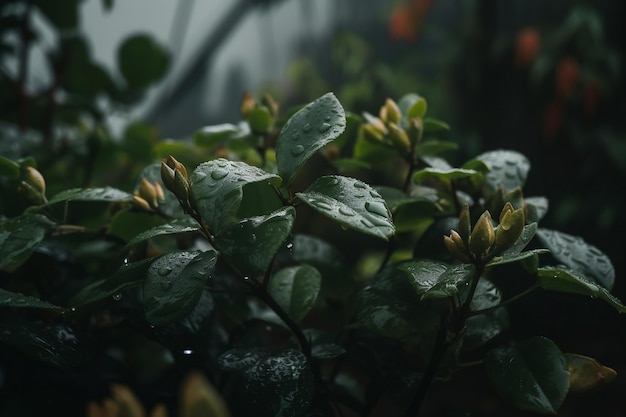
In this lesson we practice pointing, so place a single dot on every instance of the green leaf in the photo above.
(217, 189)
(536, 208)
(406, 103)
(19, 236)
(176, 226)
(445, 174)
(142, 61)
(507, 169)
(506, 259)
(433, 125)
(579, 255)
(295, 289)
(55, 344)
(128, 276)
(531, 375)
(9, 168)
(17, 300)
(103, 194)
(174, 284)
(482, 328)
(128, 223)
(417, 109)
(211, 136)
(435, 147)
(251, 244)
(432, 279)
(571, 281)
(388, 306)
(307, 131)
(528, 232)
(270, 384)
(351, 203)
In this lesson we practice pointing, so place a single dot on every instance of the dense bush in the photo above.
(233, 277)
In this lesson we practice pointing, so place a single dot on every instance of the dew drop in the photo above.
(306, 128)
(187, 352)
(321, 204)
(327, 119)
(297, 150)
(218, 174)
(366, 223)
(376, 208)
(117, 296)
(324, 127)
(360, 185)
(166, 285)
(164, 271)
(289, 246)
(346, 211)
(332, 181)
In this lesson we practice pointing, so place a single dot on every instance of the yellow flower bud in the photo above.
(271, 104)
(587, 374)
(510, 228)
(148, 192)
(181, 186)
(247, 105)
(398, 137)
(483, 236)
(167, 176)
(174, 164)
(141, 203)
(159, 190)
(390, 112)
(371, 133)
(34, 178)
(455, 246)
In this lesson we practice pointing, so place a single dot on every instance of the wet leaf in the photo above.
(506, 258)
(211, 136)
(174, 284)
(445, 174)
(128, 276)
(295, 289)
(251, 244)
(432, 279)
(103, 194)
(523, 240)
(571, 281)
(17, 300)
(536, 208)
(54, 344)
(269, 384)
(19, 236)
(308, 130)
(435, 147)
(176, 226)
(433, 125)
(507, 169)
(217, 189)
(351, 203)
(539, 370)
(579, 255)
(9, 168)
(482, 328)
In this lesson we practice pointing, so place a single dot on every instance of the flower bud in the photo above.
(371, 133)
(159, 190)
(390, 112)
(247, 105)
(269, 102)
(454, 249)
(398, 137)
(174, 164)
(141, 203)
(181, 186)
(483, 236)
(167, 176)
(34, 178)
(148, 192)
(510, 228)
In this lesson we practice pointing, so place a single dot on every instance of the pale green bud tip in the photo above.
(390, 112)
(510, 228)
(453, 247)
(465, 226)
(483, 235)
(174, 164)
(34, 178)
(167, 176)
(399, 137)
(181, 186)
(141, 203)
(372, 133)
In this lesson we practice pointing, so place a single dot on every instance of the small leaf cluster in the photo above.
(241, 263)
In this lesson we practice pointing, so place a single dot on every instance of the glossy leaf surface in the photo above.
(19, 236)
(571, 281)
(579, 255)
(174, 284)
(217, 189)
(270, 384)
(351, 203)
(539, 370)
(312, 127)
(17, 300)
(176, 226)
(102, 194)
(295, 289)
(507, 169)
(250, 244)
(432, 279)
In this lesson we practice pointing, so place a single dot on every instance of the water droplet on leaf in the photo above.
(297, 150)
(376, 208)
(324, 127)
(306, 128)
(166, 285)
(218, 174)
(164, 271)
(117, 296)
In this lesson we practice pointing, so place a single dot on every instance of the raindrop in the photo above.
(346, 211)
(321, 204)
(366, 223)
(164, 271)
(360, 185)
(199, 176)
(332, 181)
(307, 128)
(376, 208)
(187, 352)
(125, 261)
(324, 127)
(117, 296)
(327, 119)
(297, 150)
(166, 285)
(218, 174)
(289, 246)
